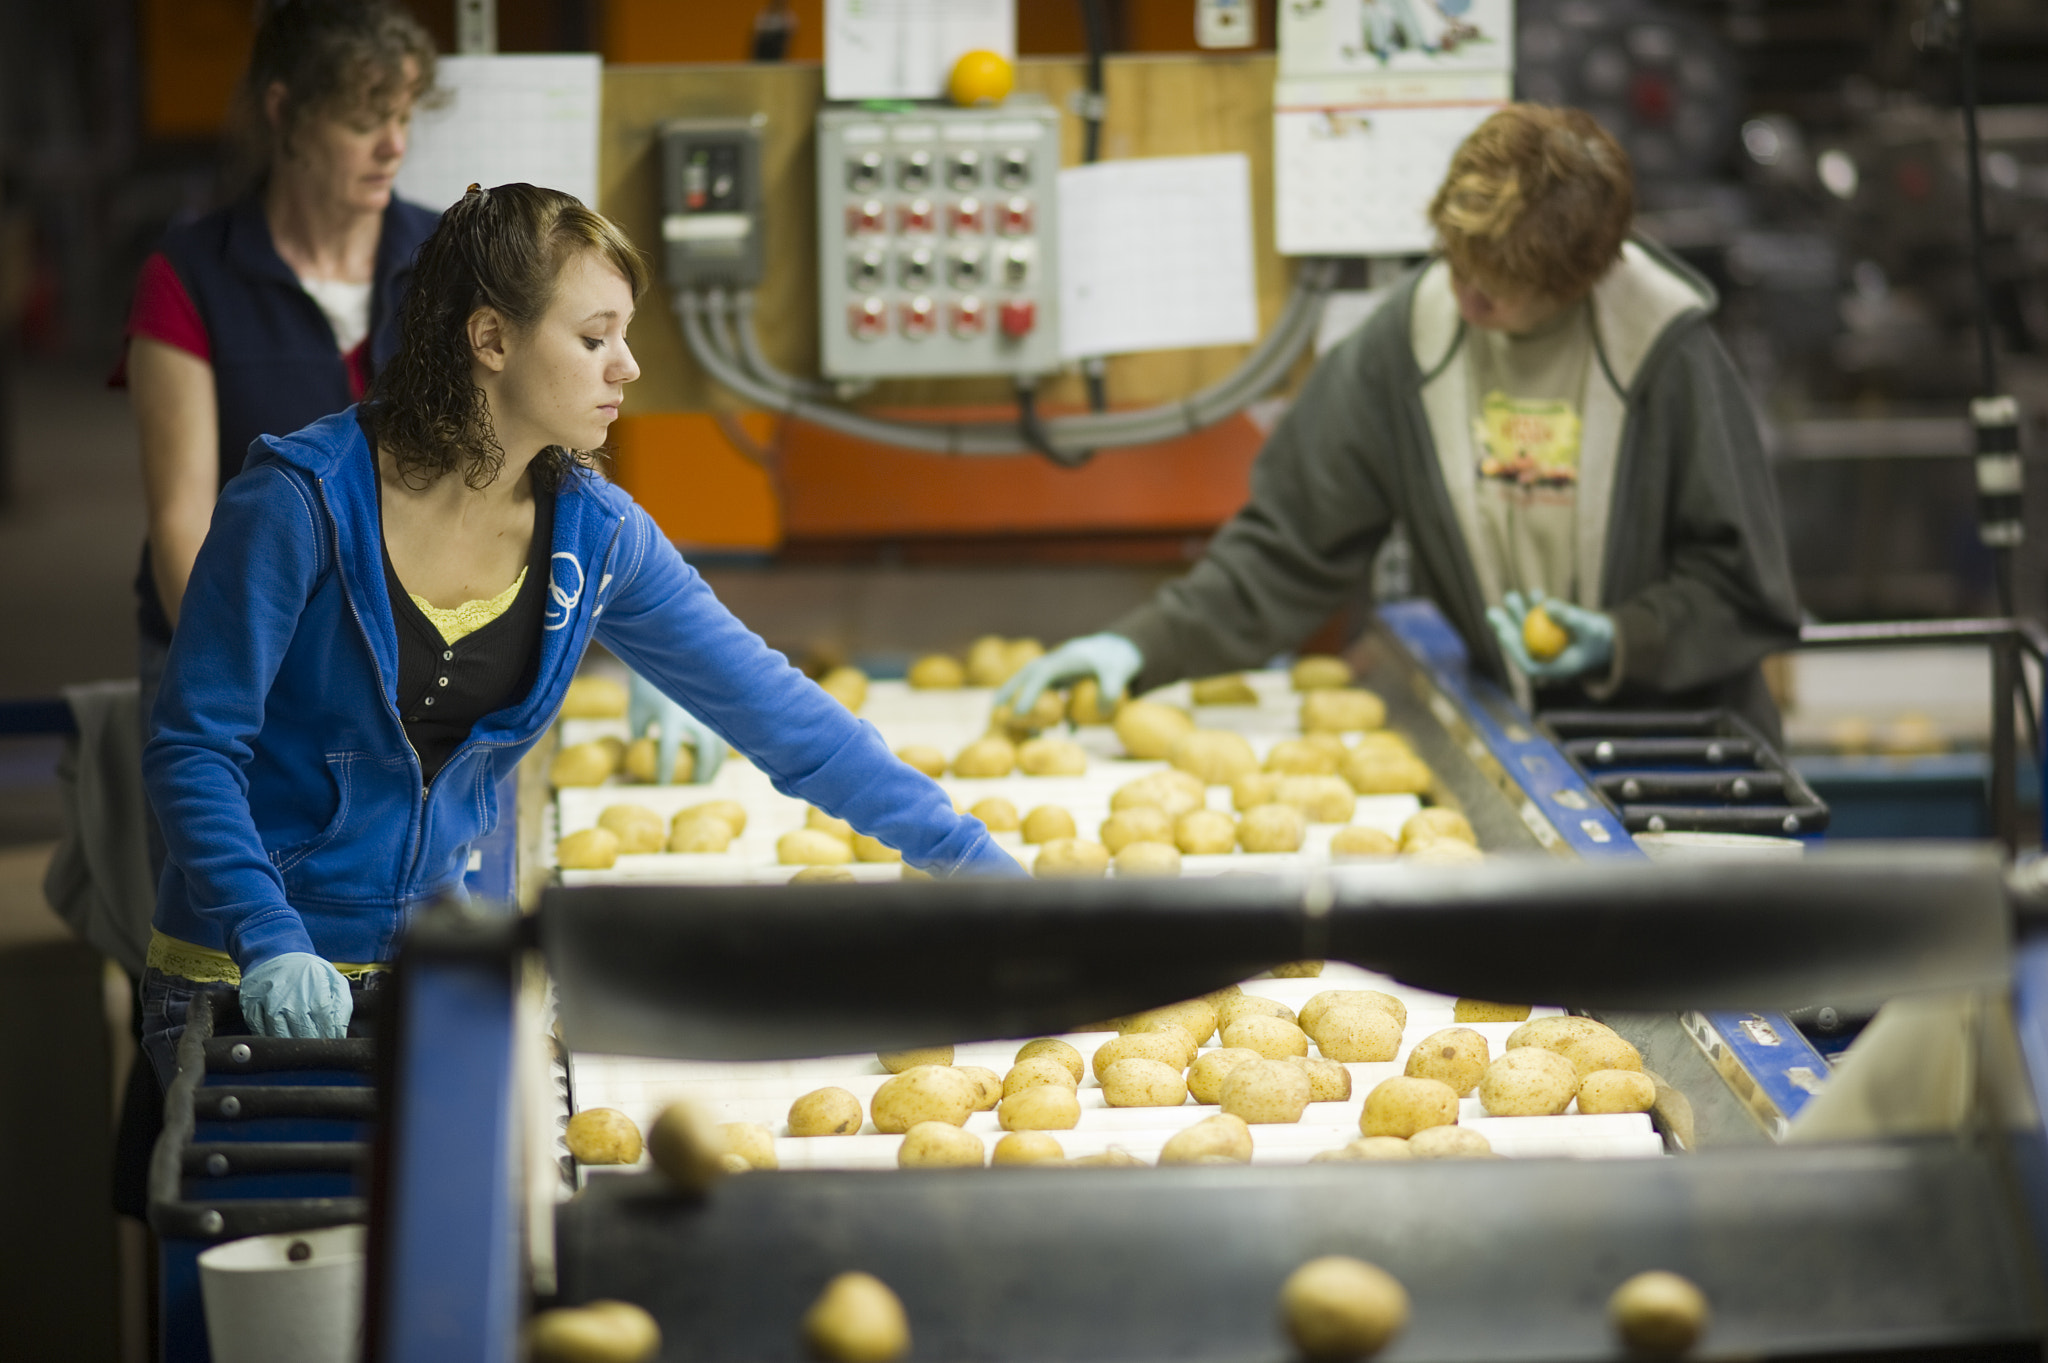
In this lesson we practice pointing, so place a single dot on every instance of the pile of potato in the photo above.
(629, 829)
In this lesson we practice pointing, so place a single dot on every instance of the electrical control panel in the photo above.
(711, 202)
(936, 229)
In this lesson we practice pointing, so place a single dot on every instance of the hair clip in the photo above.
(475, 188)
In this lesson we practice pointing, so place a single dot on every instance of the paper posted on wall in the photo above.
(905, 49)
(507, 119)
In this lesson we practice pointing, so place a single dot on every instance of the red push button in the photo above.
(867, 218)
(920, 318)
(1019, 315)
(970, 318)
(868, 319)
(1015, 218)
(918, 215)
(968, 216)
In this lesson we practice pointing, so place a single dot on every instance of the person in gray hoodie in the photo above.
(1545, 408)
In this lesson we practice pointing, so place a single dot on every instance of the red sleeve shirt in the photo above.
(163, 311)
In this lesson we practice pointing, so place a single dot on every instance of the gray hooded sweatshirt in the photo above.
(1678, 532)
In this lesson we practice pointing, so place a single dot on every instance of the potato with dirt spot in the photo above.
(1328, 1081)
(1052, 757)
(898, 1061)
(986, 758)
(1272, 828)
(809, 847)
(927, 1093)
(1148, 729)
(1362, 840)
(1140, 823)
(752, 1142)
(988, 1086)
(1036, 1070)
(1047, 823)
(1221, 1134)
(1601, 1051)
(1071, 859)
(1449, 1142)
(1273, 1038)
(923, 757)
(1402, 1106)
(1027, 1147)
(1052, 1048)
(1554, 1033)
(588, 849)
(1266, 1092)
(825, 1112)
(1042, 1107)
(1354, 1033)
(1211, 1068)
(1456, 1055)
(1338, 1308)
(603, 1135)
(1479, 1010)
(1143, 1083)
(1433, 825)
(1215, 757)
(1528, 1082)
(1205, 832)
(1617, 1091)
(1167, 1047)
(597, 1332)
(857, 1319)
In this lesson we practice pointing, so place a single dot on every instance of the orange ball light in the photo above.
(980, 77)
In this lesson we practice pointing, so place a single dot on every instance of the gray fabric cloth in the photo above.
(1692, 560)
(99, 880)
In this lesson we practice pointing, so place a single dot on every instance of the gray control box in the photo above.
(711, 202)
(936, 236)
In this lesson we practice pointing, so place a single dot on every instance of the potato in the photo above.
(1616, 1091)
(603, 1135)
(1216, 757)
(593, 697)
(1052, 1048)
(1229, 689)
(1339, 1308)
(825, 875)
(1174, 791)
(1045, 712)
(1116, 1157)
(1018, 652)
(1354, 1033)
(898, 1061)
(1140, 823)
(1319, 672)
(1167, 1047)
(1041, 1107)
(1377, 773)
(923, 757)
(588, 849)
(1048, 823)
(1035, 1071)
(847, 685)
(1196, 1017)
(1449, 1142)
(1254, 788)
(1554, 1033)
(988, 661)
(1312, 1011)
(1341, 709)
(686, 1146)
(700, 834)
(873, 850)
(1528, 1082)
(1444, 852)
(988, 1086)
(940, 1145)
(825, 1112)
(1360, 840)
(1299, 757)
(925, 1093)
(1027, 1147)
(1402, 1106)
(1143, 1083)
(1160, 860)
(1296, 970)
(1321, 799)
(936, 672)
(1367, 1149)
(857, 1319)
(986, 757)
(1272, 828)
(1148, 729)
(584, 764)
(1456, 1056)
(997, 814)
(1221, 1134)
(1658, 1314)
(752, 1142)
(809, 847)
(1478, 1010)
(1153, 1024)
(1328, 1081)
(1273, 1038)
(1051, 757)
(1211, 1068)
(731, 812)
(1433, 825)
(1373, 742)
(1205, 832)
(1071, 859)
(1262, 1091)
(1601, 1051)
(597, 1332)
(818, 819)
(1235, 1006)
(642, 756)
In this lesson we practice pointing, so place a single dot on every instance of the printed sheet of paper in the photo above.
(1358, 181)
(1337, 38)
(1156, 254)
(509, 118)
(905, 49)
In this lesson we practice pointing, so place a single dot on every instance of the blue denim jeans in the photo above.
(167, 1002)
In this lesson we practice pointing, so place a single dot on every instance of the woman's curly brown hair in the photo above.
(503, 249)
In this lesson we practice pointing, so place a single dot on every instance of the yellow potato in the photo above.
(1554, 1033)
(1435, 824)
(702, 833)
(1658, 1314)
(1319, 672)
(1143, 1083)
(847, 685)
(1196, 1017)
(1148, 729)
(1356, 1033)
(1235, 1006)
(1211, 1068)
(1042, 1107)
(825, 875)
(596, 1332)
(1273, 1038)
(986, 757)
(1377, 773)
(1449, 1142)
(1456, 1055)
(1254, 788)
(857, 1319)
(642, 755)
(1160, 860)
(818, 819)
(1071, 859)
(1328, 1081)
(1172, 790)
(997, 814)
(603, 1135)
(825, 1112)
(923, 757)
(940, 1145)
(988, 661)
(1300, 757)
(1321, 799)
(1338, 1308)
(752, 1142)
(1045, 712)
(898, 1061)
(1528, 1082)
(870, 849)
(1140, 823)
(685, 1145)
(594, 697)
(810, 847)
(1027, 1147)
(1221, 1134)
(1048, 823)
(1116, 1157)
(1216, 757)
(1312, 1011)
(1402, 1106)
(1229, 689)
(1051, 757)
(1205, 832)
(988, 1086)
(1150, 1024)
(1052, 1048)
(1616, 1091)
(1297, 970)
(1601, 1051)
(1341, 709)
(927, 1093)
(1542, 635)
(1367, 1149)
(732, 812)
(588, 849)
(1266, 1091)
(585, 764)
(1272, 828)
(1018, 652)
(1036, 1070)
(1167, 1047)
(1444, 852)
(1085, 705)
(936, 672)
(1479, 1010)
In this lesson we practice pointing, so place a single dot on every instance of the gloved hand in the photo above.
(1109, 658)
(647, 707)
(1592, 636)
(297, 994)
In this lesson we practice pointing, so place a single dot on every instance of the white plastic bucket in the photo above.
(290, 1298)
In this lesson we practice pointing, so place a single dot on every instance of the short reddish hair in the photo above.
(1537, 199)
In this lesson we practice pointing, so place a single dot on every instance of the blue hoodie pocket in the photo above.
(339, 766)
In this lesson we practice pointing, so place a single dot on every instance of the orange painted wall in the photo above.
(696, 484)
(193, 52)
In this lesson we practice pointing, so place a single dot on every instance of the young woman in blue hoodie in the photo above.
(390, 605)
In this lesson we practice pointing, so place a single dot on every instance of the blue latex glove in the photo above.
(1592, 632)
(1109, 658)
(648, 708)
(297, 994)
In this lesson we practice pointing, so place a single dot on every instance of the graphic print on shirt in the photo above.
(1530, 442)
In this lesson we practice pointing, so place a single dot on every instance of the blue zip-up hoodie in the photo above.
(290, 799)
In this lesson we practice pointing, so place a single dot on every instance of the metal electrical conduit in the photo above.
(720, 333)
